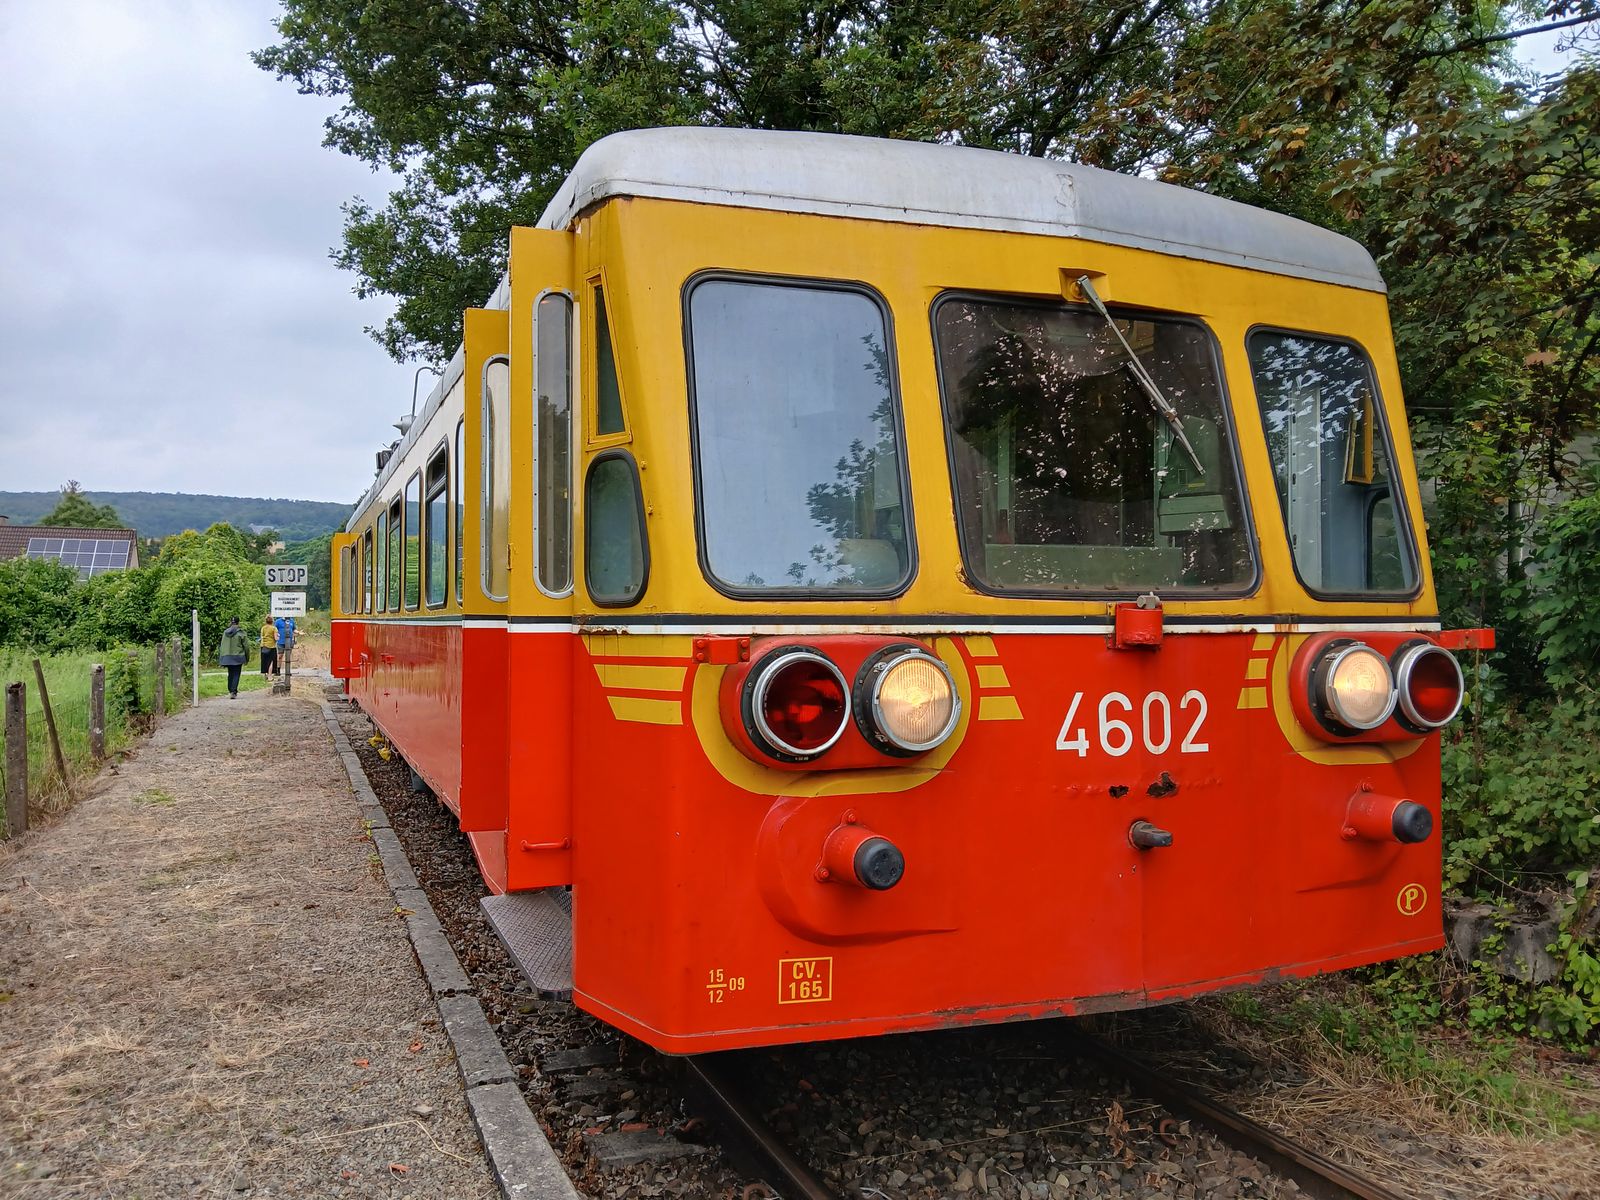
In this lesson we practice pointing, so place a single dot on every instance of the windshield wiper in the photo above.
(1141, 375)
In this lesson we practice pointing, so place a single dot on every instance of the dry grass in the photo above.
(207, 988)
(1448, 1119)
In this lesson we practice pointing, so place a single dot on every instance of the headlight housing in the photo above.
(1352, 685)
(796, 704)
(1429, 685)
(905, 701)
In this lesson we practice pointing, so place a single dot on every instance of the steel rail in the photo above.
(798, 1180)
(1317, 1176)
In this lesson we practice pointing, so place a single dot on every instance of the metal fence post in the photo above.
(16, 805)
(194, 650)
(159, 706)
(176, 660)
(97, 710)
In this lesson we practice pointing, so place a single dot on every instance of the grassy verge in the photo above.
(1490, 1084)
(130, 699)
(214, 681)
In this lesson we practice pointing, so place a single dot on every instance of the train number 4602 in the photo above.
(1116, 736)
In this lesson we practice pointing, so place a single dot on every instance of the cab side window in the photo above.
(616, 553)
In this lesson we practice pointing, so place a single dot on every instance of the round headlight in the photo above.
(1428, 680)
(1357, 688)
(798, 703)
(910, 700)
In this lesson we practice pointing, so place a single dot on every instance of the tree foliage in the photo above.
(44, 606)
(161, 514)
(76, 509)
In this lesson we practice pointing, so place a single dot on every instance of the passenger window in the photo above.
(383, 562)
(608, 392)
(1331, 464)
(616, 555)
(396, 555)
(552, 433)
(496, 529)
(438, 528)
(413, 567)
(461, 512)
(1067, 480)
(347, 577)
(366, 572)
(797, 440)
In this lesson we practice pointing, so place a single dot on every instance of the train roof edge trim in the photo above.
(453, 371)
(924, 183)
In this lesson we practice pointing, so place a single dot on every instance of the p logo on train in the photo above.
(845, 586)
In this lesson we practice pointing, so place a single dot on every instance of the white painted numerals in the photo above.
(1114, 732)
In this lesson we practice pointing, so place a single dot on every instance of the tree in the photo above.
(76, 509)
(317, 556)
(36, 603)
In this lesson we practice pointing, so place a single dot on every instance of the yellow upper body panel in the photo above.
(648, 250)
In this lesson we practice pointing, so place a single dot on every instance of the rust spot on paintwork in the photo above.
(1165, 785)
(1118, 790)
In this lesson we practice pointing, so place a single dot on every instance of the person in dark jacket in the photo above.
(233, 651)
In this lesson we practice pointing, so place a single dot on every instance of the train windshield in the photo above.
(1330, 461)
(797, 440)
(1067, 479)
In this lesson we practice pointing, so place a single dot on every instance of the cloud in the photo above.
(169, 317)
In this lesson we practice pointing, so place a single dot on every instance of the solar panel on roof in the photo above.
(90, 556)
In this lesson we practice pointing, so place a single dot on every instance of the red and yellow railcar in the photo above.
(846, 586)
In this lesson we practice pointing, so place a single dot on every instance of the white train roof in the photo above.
(922, 183)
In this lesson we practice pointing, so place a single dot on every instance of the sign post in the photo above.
(287, 604)
(194, 650)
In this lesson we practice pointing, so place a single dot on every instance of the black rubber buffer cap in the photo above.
(879, 864)
(1412, 822)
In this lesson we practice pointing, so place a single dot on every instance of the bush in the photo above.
(37, 605)
(220, 590)
(1519, 788)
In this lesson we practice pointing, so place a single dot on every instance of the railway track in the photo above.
(735, 1087)
(721, 1080)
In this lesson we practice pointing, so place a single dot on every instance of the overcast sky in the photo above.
(169, 317)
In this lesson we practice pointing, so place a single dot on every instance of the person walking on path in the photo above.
(269, 647)
(233, 651)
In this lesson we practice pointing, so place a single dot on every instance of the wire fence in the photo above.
(129, 702)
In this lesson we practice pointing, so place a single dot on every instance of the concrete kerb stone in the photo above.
(396, 867)
(478, 1050)
(524, 1165)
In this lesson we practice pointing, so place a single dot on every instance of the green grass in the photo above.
(315, 621)
(130, 694)
(214, 680)
(1492, 1084)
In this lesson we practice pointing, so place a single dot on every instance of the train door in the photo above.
(544, 322)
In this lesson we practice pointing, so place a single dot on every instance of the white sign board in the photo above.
(288, 604)
(286, 576)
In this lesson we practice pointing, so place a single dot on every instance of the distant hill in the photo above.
(161, 514)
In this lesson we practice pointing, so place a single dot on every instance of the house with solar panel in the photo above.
(90, 552)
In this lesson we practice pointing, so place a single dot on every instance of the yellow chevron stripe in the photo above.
(1255, 668)
(992, 675)
(641, 679)
(648, 712)
(981, 647)
(999, 708)
(1253, 697)
(634, 645)
(1264, 641)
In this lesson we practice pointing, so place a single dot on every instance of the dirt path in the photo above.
(204, 990)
